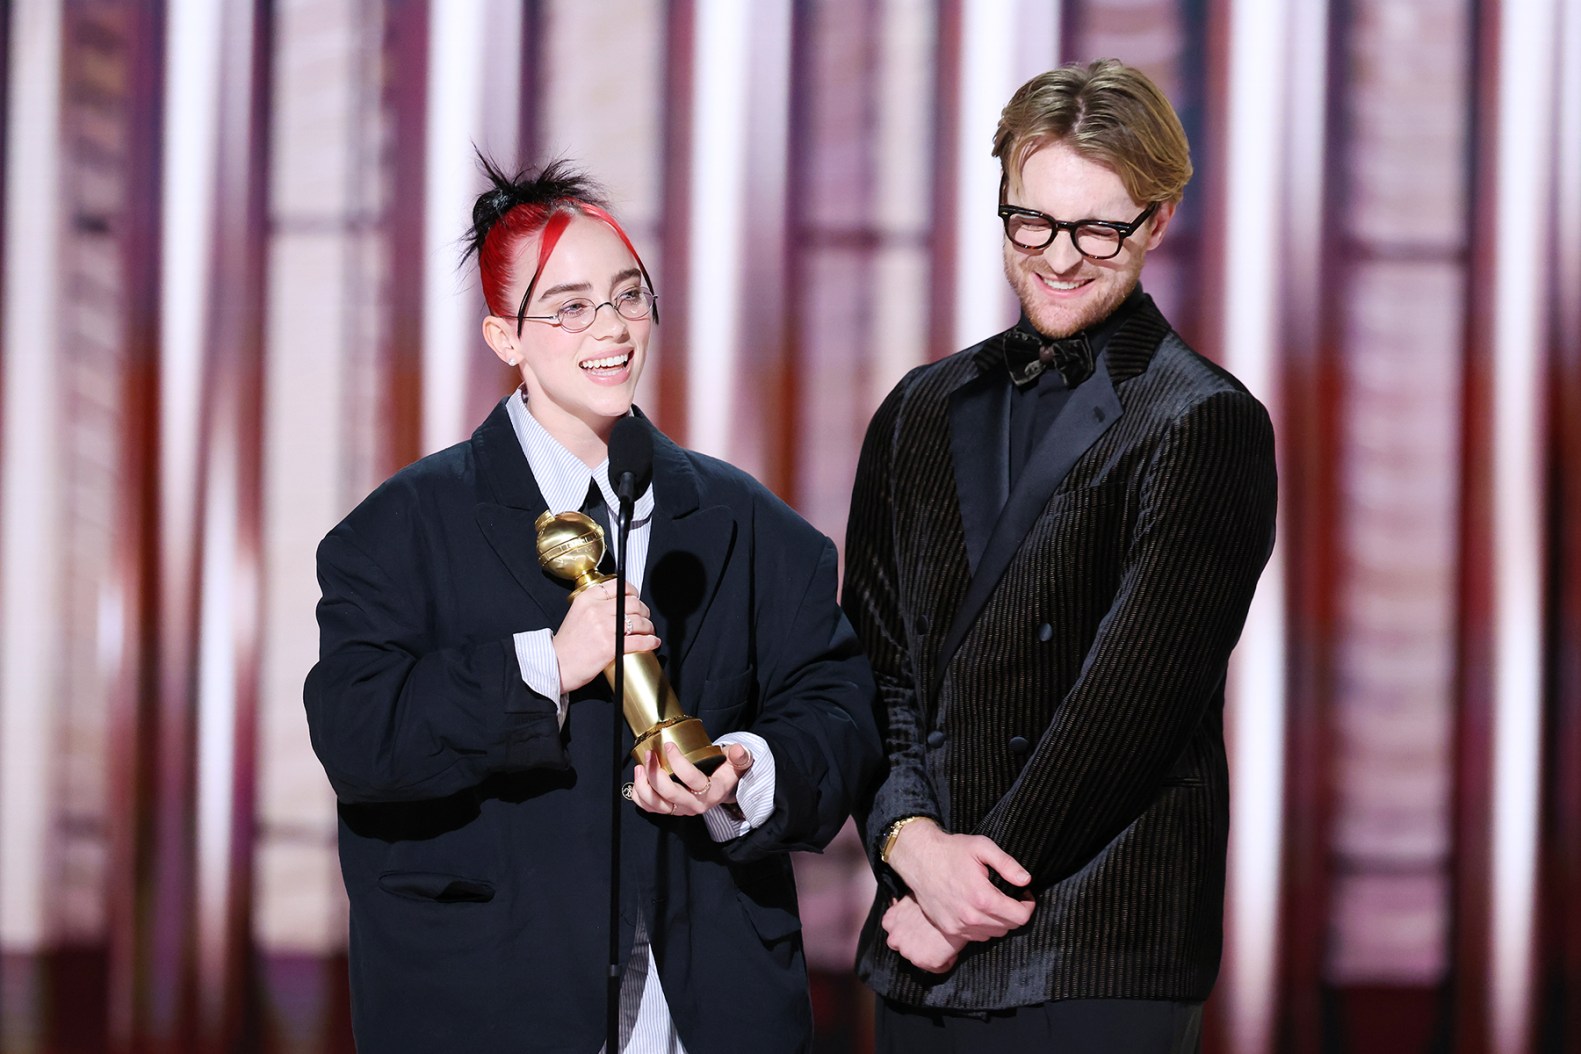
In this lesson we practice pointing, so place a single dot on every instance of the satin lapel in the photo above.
(1089, 412)
(980, 450)
(507, 521)
(687, 553)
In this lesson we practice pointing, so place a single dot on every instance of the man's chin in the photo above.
(1054, 327)
(1057, 325)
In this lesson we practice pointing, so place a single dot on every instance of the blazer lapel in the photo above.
(508, 521)
(980, 450)
(687, 553)
(1091, 409)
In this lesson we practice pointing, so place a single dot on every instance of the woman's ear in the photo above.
(499, 336)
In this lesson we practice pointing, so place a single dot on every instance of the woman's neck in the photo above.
(587, 442)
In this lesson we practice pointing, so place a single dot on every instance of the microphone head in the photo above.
(630, 456)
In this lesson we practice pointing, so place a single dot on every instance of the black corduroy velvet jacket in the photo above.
(1051, 657)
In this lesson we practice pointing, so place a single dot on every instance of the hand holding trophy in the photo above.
(570, 545)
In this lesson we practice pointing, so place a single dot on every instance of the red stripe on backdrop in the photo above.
(401, 365)
(235, 425)
(132, 760)
(1313, 382)
(1473, 854)
(1210, 191)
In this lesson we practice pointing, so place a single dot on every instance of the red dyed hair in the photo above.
(515, 209)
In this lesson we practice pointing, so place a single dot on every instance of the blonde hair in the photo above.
(1107, 112)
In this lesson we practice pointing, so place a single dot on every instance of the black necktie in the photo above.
(1027, 355)
(595, 506)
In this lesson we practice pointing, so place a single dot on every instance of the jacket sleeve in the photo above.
(874, 608)
(393, 715)
(1203, 531)
(816, 709)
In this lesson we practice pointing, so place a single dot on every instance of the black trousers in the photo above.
(1064, 1026)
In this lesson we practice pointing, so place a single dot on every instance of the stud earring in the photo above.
(515, 361)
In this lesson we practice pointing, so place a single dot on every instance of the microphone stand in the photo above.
(612, 990)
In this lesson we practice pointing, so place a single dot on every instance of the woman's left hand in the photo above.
(692, 792)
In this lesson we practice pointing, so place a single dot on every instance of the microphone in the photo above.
(630, 469)
(630, 458)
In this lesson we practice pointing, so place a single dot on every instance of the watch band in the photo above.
(894, 833)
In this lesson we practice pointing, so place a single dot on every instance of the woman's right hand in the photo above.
(585, 642)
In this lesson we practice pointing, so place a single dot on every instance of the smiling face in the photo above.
(1062, 291)
(578, 384)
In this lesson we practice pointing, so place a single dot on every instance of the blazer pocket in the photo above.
(436, 887)
(724, 697)
(766, 892)
(770, 923)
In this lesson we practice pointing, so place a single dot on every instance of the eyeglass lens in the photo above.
(632, 305)
(1031, 232)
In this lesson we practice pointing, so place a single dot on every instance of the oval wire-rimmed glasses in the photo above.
(578, 314)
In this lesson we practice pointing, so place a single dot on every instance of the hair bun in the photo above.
(558, 182)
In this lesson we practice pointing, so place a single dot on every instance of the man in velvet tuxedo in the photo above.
(1054, 539)
(459, 708)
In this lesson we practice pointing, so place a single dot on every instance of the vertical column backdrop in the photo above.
(328, 329)
(1401, 240)
(1253, 229)
(1309, 342)
(31, 493)
(1506, 671)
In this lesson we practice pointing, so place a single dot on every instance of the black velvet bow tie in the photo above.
(1027, 355)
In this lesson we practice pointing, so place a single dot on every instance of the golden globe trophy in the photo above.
(570, 545)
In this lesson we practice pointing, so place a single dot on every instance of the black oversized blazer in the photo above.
(474, 831)
(1052, 675)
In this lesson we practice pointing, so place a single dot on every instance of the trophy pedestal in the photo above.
(688, 734)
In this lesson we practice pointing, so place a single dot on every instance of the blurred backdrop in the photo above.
(232, 304)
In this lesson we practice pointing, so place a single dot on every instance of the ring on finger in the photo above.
(628, 623)
(708, 784)
(672, 807)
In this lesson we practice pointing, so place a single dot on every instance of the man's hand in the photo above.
(585, 642)
(948, 876)
(653, 790)
(918, 940)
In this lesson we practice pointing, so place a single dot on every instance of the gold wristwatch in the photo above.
(894, 833)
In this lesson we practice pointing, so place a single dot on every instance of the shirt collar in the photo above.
(561, 475)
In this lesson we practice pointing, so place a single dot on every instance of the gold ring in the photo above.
(671, 804)
(706, 786)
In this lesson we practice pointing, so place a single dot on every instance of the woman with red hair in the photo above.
(459, 713)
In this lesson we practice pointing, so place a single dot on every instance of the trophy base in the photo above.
(689, 735)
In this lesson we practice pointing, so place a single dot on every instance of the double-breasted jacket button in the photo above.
(1045, 633)
(1019, 745)
(936, 739)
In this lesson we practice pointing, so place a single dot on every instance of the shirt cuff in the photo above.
(754, 793)
(540, 669)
